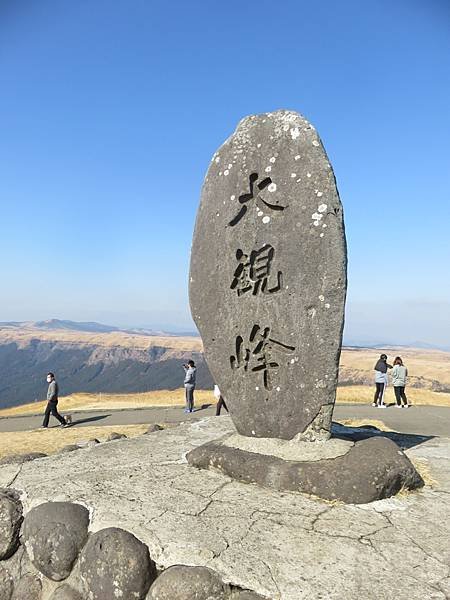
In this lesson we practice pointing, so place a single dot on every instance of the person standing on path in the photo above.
(381, 381)
(189, 385)
(399, 375)
(220, 401)
(52, 402)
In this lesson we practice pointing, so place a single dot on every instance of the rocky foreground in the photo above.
(140, 509)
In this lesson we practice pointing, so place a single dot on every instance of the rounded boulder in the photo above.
(6, 584)
(188, 583)
(19, 459)
(154, 427)
(29, 587)
(115, 564)
(68, 448)
(10, 522)
(65, 592)
(115, 436)
(54, 534)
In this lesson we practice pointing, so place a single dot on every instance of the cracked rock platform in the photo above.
(282, 545)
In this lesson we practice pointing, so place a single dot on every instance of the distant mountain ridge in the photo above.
(95, 327)
(75, 326)
(382, 345)
(87, 326)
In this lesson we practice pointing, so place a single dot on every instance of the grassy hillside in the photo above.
(109, 362)
(124, 366)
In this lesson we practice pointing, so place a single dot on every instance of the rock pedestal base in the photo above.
(362, 472)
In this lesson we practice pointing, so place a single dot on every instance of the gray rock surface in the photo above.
(65, 592)
(371, 470)
(18, 565)
(290, 449)
(268, 277)
(53, 534)
(246, 595)
(6, 583)
(21, 458)
(115, 436)
(10, 522)
(154, 427)
(115, 564)
(280, 545)
(29, 587)
(88, 443)
(188, 583)
(68, 448)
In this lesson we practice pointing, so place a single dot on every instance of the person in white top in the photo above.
(220, 401)
(399, 374)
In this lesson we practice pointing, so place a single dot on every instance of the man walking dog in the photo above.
(52, 402)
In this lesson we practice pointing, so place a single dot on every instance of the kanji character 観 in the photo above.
(253, 272)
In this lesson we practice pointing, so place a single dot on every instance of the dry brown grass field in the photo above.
(363, 394)
(429, 369)
(53, 439)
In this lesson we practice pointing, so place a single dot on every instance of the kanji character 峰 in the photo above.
(259, 354)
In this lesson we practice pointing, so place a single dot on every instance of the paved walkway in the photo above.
(424, 420)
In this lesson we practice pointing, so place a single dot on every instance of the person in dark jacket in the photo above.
(189, 385)
(381, 381)
(52, 402)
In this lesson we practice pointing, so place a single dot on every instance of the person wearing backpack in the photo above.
(399, 375)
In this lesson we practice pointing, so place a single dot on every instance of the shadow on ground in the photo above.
(89, 419)
(356, 434)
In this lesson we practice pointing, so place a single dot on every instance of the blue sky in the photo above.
(110, 112)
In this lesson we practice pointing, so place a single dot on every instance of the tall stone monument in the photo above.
(267, 288)
(268, 277)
